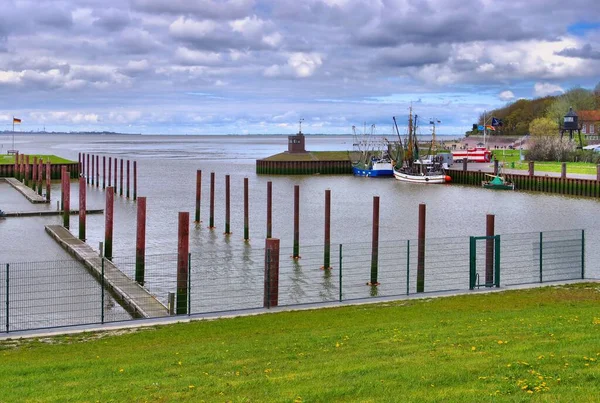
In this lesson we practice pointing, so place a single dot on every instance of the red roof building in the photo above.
(590, 122)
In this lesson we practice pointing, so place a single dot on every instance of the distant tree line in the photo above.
(540, 116)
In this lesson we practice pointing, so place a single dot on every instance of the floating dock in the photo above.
(26, 191)
(132, 296)
(48, 213)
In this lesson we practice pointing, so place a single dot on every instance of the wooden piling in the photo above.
(67, 196)
(183, 242)
(48, 180)
(115, 178)
(109, 171)
(598, 172)
(97, 171)
(27, 170)
(103, 172)
(198, 193)
(421, 249)
(246, 211)
(531, 169)
(121, 178)
(140, 243)
(134, 180)
(40, 175)
(82, 207)
(563, 170)
(269, 208)
(93, 173)
(108, 223)
(375, 243)
(496, 164)
(16, 166)
(464, 166)
(296, 254)
(227, 205)
(34, 174)
(327, 235)
(127, 192)
(87, 169)
(271, 277)
(211, 219)
(489, 250)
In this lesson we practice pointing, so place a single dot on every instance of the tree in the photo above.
(579, 99)
(543, 127)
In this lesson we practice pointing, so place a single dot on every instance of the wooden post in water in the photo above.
(97, 170)
(269, 208)
(16, 166)
(67, 202)
(121, 178)
(421, 249)
(531, 168)
(34, 174)
(40, 176)
(246, 211)
(63, 169)
(375, 243)
(108, 222)
(140, 242)
(109, 171)
(296, 254)
(211, 219)
(87, 169)
(271, 278)
(134, 180)
(198, 194)
(227, 205)
(48, 180)
(327, 235)
(489, 250)
(563, 170)
(103, 172)
(82, 207)
(27, 170)
(83, 165)
(127, 194)
(93, 173)
(115, 179)
(183, 242)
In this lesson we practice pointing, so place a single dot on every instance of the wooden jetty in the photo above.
(132, 296)
(26, 191)
(47, 213)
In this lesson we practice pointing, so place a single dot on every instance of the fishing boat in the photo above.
(498, 182)
(370, 157)
(412, 167)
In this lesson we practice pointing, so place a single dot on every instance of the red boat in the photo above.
(476, 154)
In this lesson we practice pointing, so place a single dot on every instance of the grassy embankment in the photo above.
(512, 156)
(541, 344)
(312, 156)
(10, 159)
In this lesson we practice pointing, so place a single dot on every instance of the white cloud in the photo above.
(194, 57)
(506, 95)
(273, 40)
(543, 89)
(190, 29)
(248, 26)
(304, 64)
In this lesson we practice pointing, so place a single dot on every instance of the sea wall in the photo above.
(267, 167)
(8, 171)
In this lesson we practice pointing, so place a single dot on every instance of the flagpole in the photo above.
(13, 145)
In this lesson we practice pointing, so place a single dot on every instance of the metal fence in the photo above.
(36, 295)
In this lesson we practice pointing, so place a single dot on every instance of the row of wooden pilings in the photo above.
(90, 168)
(271, 272)
(532, 182)
(33, 174)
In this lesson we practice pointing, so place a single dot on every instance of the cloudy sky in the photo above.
(258, 66)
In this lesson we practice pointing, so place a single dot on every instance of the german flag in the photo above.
(15, 120)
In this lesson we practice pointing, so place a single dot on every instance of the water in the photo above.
(167, 173)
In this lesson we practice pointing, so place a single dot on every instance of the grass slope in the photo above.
(311, 156)
(541, 344)
(10, 159)
(510, 157)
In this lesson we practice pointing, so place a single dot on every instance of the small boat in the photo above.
(414, 169)
(369, 157)
(498, 182)
(376, 167)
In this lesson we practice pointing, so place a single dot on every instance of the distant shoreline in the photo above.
(96, 133)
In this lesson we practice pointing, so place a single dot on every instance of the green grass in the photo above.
(10, 159)
(311, 156)
(541, 344)
(510, 157)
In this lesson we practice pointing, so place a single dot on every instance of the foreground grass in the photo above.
(10, 159)
(541, 344)
(510, 157)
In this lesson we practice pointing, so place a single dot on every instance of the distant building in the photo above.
(590, 123)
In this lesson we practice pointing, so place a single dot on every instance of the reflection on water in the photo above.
(166, 176)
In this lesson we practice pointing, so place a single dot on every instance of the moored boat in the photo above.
(370, 157)
(498, 182)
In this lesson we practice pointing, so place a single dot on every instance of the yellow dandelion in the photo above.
(337, 344)
(473, 348)
(530, 391)
(179, 363)
(191, 386)
(121, 370)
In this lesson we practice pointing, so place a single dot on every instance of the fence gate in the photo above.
(484, 261)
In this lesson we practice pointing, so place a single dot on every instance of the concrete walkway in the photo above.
(26, 191)
(132, 296)
(48, 213)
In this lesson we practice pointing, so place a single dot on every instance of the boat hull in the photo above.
(372, 172)
(425, 179)
(505, 186)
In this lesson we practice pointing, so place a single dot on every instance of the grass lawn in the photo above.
(10, 159)
(512, 156)
(541, 344)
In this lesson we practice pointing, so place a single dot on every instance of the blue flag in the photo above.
(480, 128)
(496, 122)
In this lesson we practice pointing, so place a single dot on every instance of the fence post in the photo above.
(582, 254)
(472, 269)
(7, 294)
(340, 272)
(497, 255)
(541, 257)
(407, 266)
(102, 293)
(271, 289)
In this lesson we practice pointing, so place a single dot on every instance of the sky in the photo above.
(259, 67)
